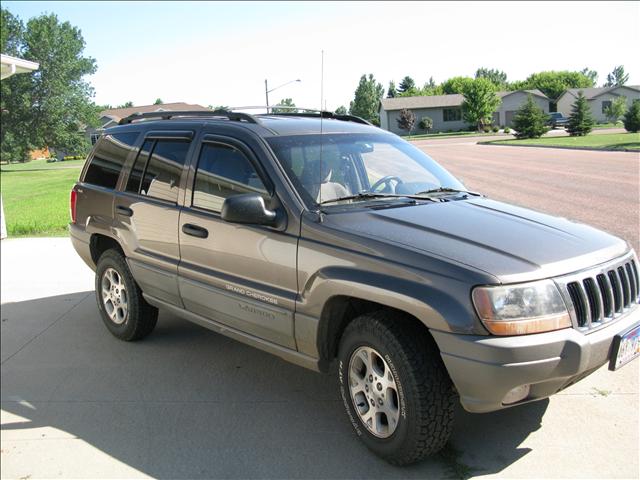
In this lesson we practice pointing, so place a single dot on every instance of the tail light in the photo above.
(72, 204)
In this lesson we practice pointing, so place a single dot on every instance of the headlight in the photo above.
(520, 309)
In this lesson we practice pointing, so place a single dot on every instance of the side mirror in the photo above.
(248, 208)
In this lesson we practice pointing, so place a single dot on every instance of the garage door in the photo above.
(509, 117)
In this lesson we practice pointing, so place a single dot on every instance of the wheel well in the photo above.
(100, 244)
(337, 313)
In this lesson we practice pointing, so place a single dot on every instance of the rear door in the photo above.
(242, 276)
(147, 212)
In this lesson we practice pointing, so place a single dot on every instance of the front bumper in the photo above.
(485, 368)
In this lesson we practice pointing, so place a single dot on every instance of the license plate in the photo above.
(626, 347)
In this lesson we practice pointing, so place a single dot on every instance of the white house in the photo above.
(9, 66)
(446, 110)
(598, 99)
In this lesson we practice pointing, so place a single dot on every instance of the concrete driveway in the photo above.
(188, 403)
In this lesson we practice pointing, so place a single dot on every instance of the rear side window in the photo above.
(133, 184)
(223, 171)
(108, 158)
(157, 169)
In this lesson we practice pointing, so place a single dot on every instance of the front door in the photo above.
(237, 275)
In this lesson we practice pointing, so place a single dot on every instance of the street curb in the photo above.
(592, 149)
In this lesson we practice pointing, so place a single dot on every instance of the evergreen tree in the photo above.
(530, 120)
(632, 117)
(392, 92)
(367, 97)
(617, 77)
(580, 121)
(406, 120)
(406, 84)
(158, 101)
(341, 110)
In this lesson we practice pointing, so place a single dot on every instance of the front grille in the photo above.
(602, 294)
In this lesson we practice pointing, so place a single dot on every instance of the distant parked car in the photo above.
(557, 119)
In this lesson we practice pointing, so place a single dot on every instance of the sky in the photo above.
(220, 53)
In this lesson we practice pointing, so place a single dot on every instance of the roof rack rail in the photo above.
(312, 112)
(168, 115)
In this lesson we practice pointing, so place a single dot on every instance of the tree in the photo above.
(530, 121)
(218, 107)
(553, 83)
(426, 123)
(497, 77)
(406, 120)
(616, 110)
(392, 92)
(456, 85)
(580, 121)
(617, 77)
(285, 102)
(127, 104)
(480, 101)
(50, 107)
(158, 101)
(632, 117)
(366, 100)
(590, 74)
(341, 110)
(406, 84)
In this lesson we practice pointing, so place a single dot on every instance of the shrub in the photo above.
(507, 130)
(631, 119)
(495, 129)
(426, 123)
(580, 121)
(530, 121)
(486, 128)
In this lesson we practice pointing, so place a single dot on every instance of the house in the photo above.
(446, 110)
(598, 99)
(111, 117)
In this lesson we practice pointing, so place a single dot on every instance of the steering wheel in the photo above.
(385, 181)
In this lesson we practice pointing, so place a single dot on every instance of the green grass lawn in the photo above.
(609, 141)
(448, 134)
(40, 165)
(35, 197)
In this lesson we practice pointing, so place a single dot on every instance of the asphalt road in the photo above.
(598, 188)
(188, 403)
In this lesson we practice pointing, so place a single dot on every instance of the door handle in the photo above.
(126, 211)
(194, 230)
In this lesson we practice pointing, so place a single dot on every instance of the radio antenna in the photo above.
(321, 115)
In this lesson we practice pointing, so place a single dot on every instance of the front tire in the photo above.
(395, 388)
(124, 311)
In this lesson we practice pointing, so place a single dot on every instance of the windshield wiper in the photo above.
(445, 190)
(364, 196)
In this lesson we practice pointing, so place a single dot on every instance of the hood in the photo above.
(511, 243)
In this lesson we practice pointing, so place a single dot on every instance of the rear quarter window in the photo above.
(108, 158)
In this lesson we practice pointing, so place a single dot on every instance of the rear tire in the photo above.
(394, 354)
(122, 307)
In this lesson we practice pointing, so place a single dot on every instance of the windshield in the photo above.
(353, 164)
